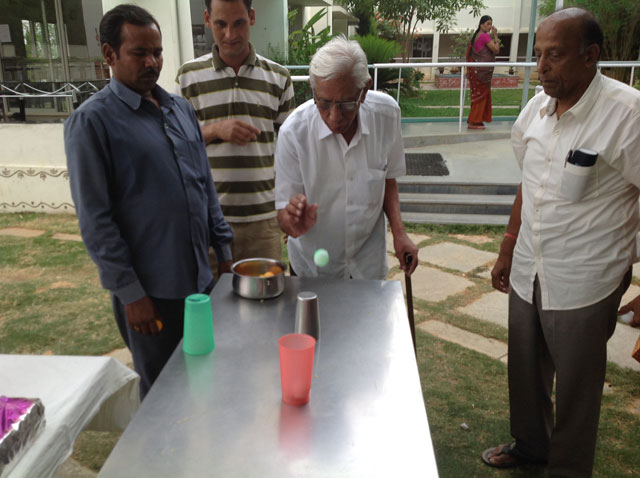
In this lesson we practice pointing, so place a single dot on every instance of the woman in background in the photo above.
(482, 48)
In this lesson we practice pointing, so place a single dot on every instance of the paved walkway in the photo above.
(451, 269)
(471, 156)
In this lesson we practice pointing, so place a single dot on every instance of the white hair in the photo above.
(339, 57)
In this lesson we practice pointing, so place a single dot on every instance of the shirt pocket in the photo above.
(578, 182)
(375, 184)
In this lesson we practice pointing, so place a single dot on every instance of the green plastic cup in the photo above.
(198, 325)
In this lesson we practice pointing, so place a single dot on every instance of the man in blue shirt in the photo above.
(144, 194)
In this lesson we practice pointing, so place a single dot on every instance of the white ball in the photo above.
(627, 318)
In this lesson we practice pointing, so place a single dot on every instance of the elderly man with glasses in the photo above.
(337, 158)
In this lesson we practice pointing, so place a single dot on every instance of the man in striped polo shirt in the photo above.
(241, 99)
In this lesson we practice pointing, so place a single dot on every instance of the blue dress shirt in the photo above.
(145, 198)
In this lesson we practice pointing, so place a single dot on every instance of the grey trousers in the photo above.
(572, 346)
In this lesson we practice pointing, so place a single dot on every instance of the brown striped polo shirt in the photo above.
(260, 94)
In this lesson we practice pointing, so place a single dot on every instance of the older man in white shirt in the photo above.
(337, 158)
(567, 254)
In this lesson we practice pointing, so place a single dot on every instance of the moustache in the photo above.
(151, 73)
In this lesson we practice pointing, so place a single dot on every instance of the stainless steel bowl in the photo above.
(258, 278)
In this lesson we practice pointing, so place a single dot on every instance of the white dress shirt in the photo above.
(346, 181)
(580, 249)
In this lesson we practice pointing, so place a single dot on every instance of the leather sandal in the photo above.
(504, 456)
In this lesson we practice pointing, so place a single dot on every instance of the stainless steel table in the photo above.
(221, 414)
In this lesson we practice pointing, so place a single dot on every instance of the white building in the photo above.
(510, 17)
(46, 44)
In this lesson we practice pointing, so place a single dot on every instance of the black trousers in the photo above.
(151, 352)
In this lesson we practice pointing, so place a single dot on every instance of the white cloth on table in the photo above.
(346, 181)
(77, 392)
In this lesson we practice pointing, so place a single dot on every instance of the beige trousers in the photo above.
(253, 239)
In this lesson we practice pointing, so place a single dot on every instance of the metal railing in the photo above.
(27, 90)
(52, 96)
(24, 90)
(463, 65)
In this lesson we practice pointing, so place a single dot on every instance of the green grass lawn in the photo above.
(414, 106)
(51, 302)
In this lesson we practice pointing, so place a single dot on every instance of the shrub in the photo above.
(303, 44)
(379, 50)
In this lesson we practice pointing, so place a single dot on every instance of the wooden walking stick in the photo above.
(408, 259)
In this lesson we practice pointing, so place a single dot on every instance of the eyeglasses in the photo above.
(344, 106)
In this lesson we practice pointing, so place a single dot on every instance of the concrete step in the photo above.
(485, 204)
(447, 218)
(417, 141)
(422, 184)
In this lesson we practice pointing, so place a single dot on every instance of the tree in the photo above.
(620, 22)
(363, 11)
(406, 14)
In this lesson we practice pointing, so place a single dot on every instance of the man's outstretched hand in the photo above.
(297, 217)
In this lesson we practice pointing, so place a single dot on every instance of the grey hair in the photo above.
(339, 57)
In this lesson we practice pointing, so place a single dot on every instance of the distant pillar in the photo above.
(435, 52)
(185, 29)
(270, 32)
(515, 36)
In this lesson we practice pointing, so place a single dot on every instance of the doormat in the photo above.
(425, 164)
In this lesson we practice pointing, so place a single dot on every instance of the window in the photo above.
(46, 46)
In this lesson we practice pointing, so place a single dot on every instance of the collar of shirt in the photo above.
(134, 100)
(363, 124)
(582, 108)
(218, 64)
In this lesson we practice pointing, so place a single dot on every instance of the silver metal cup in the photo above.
(307, 316)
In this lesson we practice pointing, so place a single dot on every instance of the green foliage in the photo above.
(397, 19)
(620, 22)
(363, 11)
(411, 78)
(379, 50)
(303, 44)
(386, 28)
(460, 43)
(407, 14)
(444, 103)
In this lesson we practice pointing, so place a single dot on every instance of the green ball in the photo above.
(321, 257)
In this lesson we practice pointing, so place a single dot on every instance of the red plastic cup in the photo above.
(296, 367)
